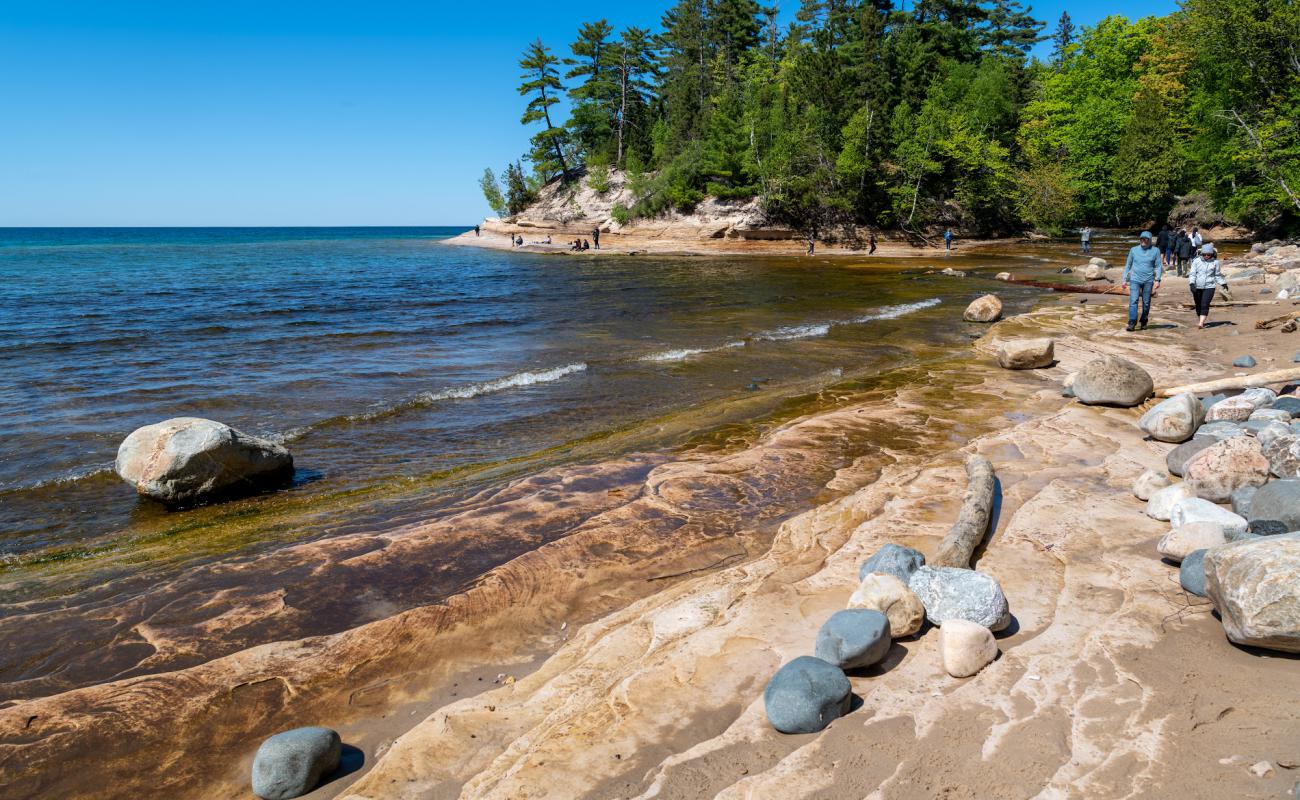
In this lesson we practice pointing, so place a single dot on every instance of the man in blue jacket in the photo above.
(1142, 273)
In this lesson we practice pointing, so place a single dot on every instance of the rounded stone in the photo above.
(1253, 586)
(1112, 381)
(1288, 403)
(966, 647)
(1176, 459)
(893, 559)
(1220, 430)
(1148, 483)
(806, 695)
(1161, 503)
(1279, 501)
(853, 638)
(1173, 420)
(291, 764)
(1191, 573)
(954, 593)
(1195, 509)
(1215, 472)
(1182, 540)
(1244, 362)
(887, 594)
(1283, 454)
(1027, 354)
(983, 309)
(1241, 500)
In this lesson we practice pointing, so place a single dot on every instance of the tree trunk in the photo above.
(973, 522)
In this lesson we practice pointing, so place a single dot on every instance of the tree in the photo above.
(520, 194)
(1009, 30)
(594, 96)
(1063, 37)
(542, 81)
(634, 66)
(492, 193)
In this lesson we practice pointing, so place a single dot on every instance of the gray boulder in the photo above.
(1173, 420)
(290, 764)
(1278, 501)
(853, 638)
(1283, 454)
(1270, 433)
(188, 460)
(1254, 427)
(893, 559)
(1245, 362)
(955, 593)
(1211, 399)
(1112, 381)
(1270, 414)
(1265, 527)
(1191, 573)
(1218, 470)
(1176, 460)
(1241, 498)
(1255, 585)
(1288, 403)
(806, 695)
(1220, 430)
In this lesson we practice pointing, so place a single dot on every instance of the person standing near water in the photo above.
(595, 237)
(947, 240)
(476, 231)
(1142, 273)
(1162, 243)
(1205, 276)
(812, 244)
(872, 242)
(1085, 239)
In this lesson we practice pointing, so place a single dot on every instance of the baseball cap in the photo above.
(1145, 235)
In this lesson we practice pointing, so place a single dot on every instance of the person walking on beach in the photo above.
(595, 238)
(1185, 252)
(1142, 273)
(947, 240)
(1204, 277)
(1162, 243)
(476, 231)
(1197, 241)
(1085, 239)
(872, 242)
(812, 244)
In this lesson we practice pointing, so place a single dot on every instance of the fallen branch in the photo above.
(1265, 324)
(972, 523)
(1242, 382)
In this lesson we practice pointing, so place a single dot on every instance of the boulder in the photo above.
(1241, 500)
(1098, 262)
(1278, 501)
(1234, 409)
(1161, 504)
(1254, 427)
(1194, 509)
(1261, 396)
(984, 309)
(966, 647)
(188, 460)
(291, 764)
(1220, 430)
(1224, 466)
(1264, 527)
(1173, 420)
(853, 638)
(1026, 354)
(890, 596)
(1002, 276)
(1283, 454)
(893, 559)
(806, 695)
(1211, 399)
(1288, 403)
(1148, 483)
(1112, 381)
(1093, 272)
(956, 593)
(1067, 385)
(1191, 573)
(1270, 414)
(1176, 460)
(1255, 585)
(1271, 433)
(1182, 540)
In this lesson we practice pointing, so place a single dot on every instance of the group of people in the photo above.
(1178, 247)
(1144, 268)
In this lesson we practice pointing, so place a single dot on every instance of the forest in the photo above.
(865, 114)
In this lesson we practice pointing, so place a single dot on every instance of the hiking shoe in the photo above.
(1129, 327)
(1144, 326)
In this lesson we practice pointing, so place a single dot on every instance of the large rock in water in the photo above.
(1094, 272)
(1255, 585)
(1223, 467)
(983, 309)
(806, 695)
(1026, 354)
(966, 647)
(290, 764)
(893, 559)
(1173, 420)
(188, 460)
(853, 638)
(1277, 501)
(880, 591)
(955, 593)
(1112, 381)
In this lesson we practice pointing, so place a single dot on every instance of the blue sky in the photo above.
(280, 113)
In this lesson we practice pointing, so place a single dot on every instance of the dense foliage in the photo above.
(859, 113)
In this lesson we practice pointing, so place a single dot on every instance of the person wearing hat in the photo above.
(1142, 273)
(1205, 276)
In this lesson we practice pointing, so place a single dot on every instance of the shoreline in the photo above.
(647, 660)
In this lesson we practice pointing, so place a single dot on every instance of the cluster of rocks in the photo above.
(186, 461)
(1234, 513)
(1274, 264)
(896, 593)
(1094, 270)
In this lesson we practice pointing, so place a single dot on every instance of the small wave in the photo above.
(894, 312)
(686, 352)
(500, 384)
(74, 475)
(795, 332)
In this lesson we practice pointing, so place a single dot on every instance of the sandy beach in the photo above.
(628, 658)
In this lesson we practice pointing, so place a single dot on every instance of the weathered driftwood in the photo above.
(973, 522)
(1241, 382)
(1265, 324)
(1080, 288)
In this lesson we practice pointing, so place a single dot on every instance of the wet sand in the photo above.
(634, 649)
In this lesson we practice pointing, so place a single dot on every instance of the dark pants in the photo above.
(1087, 246)
(1139, 291)
(1202, 298)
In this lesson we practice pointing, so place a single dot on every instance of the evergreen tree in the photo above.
(492, 193)
(595, 95)
(1010, 30)
(542, 82)
(1063, 37)
(519, 192)
(634, 67)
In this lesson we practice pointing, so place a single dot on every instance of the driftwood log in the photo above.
(1241, 382)
(1265, 324)
(973, 522)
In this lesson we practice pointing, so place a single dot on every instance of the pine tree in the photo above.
(1010, 30)
(1063, 37)
(594, 96)
(542, 81)
(633, 67)
(492, 193)
(520, 194)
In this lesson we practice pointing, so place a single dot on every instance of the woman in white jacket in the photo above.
(1204, 278)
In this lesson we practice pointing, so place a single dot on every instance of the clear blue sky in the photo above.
(280, 113)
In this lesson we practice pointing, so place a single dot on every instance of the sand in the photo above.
(627, 659)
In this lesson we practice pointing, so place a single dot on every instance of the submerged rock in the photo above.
(1255, 585)
(291, 764)
(1173, 420)
(189, 460)
(966, 647)
(1191, 573)
(806, 695)
(1026, 354)
(1148, 483)
(1112, 381)
(984, 309)
(890, 596)
(853, 638)
(1094, 272)
(893, 559)
(955, 593)
(1219, 469)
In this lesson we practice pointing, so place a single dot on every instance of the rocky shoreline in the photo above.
(641, 642)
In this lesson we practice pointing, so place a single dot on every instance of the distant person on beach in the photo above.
(1185, 252)
(476, 231)
(1142, 272)
(595, 237)
(1163, 240)
(548, 238)
(947, 240)
(1205, 276)
(1085, 239)
(872, 242)
(519, 240)
(1197, 241)
(812, 244)
(586, 245)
